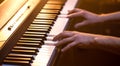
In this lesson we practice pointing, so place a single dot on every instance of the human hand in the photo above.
(90, 18)
(70, 39)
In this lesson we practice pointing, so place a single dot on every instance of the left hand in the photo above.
(70, 39)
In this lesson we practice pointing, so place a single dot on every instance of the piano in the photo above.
(27, 28)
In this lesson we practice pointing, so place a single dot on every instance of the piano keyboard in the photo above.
(35, 47)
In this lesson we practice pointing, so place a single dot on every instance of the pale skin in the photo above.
(70, 39)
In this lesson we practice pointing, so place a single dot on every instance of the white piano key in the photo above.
(47, 42)
(69, 5)
(43, 56)
(59, 26)
(49, 38)
(62, 16)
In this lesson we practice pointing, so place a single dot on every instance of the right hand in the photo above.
(90, 18)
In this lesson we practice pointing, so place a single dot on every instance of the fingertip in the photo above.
(69, 10)
(54, 39)
(68, 16)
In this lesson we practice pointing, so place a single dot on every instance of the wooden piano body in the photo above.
(25, 35)
(16, 25)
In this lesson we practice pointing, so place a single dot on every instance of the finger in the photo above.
(64, 42)
(62, 35)
(73, 15)
(73, 11)
(76, 14)
(69, 46)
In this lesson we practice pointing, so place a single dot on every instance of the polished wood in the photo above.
(8, 9)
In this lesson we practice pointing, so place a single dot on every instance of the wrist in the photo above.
(103, 17)
(106, 17)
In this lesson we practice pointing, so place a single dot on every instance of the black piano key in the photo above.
(40, 39)
(18, 58)
(49, 11)
(42, 33)
(29, 41)
(34, 27)
(20, 55)
(46, 16)
(24, 51)
(28, 44)
(40, 25)
(40, 22)
(34, 35)
(24, 63)
(31, 38)
(43, 20)
(58, 2)
(26, 48)
(52, 6)
(39, 30)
